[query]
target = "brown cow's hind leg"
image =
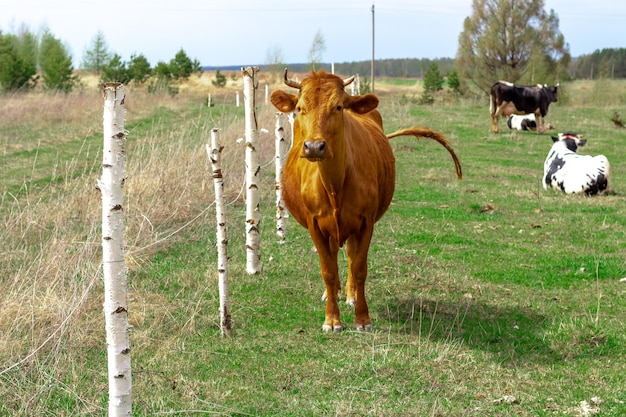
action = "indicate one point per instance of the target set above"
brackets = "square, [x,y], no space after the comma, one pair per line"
[350,289]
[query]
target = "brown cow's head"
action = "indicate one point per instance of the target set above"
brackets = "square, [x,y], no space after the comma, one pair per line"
[320,105]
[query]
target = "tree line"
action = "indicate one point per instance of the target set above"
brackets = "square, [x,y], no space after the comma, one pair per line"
[501,40]
[396,67]
[604,63]
[28,60]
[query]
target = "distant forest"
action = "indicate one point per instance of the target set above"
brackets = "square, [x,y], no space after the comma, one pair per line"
[605,63]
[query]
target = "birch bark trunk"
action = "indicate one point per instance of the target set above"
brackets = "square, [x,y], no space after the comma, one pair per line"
[253,169]
[281,151]
[214,152]
[111,186]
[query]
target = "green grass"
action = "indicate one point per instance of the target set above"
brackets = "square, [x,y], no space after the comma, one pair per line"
[478,289]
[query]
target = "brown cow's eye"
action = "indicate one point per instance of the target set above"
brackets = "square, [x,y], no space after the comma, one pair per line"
[298,109]
[339,108]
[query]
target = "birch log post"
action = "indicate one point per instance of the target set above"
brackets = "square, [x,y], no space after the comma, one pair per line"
[214,152]
[253,169]
[114,268]
[281,151]
[291,117]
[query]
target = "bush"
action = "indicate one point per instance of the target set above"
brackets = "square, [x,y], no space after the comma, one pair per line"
[433,80]
[139,68]
[454,82]
[220,79]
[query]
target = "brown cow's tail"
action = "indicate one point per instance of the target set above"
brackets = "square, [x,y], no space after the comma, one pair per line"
[422,132]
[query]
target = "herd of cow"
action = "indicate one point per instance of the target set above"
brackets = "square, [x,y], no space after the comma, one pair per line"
[564,169]
[339,177]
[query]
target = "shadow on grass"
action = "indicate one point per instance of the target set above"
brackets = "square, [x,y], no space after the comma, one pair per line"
[511,334]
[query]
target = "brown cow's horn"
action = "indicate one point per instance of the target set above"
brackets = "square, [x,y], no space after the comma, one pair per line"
[291,83]
[348,81]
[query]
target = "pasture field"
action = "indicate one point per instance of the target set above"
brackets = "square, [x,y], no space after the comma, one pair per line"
[489,296]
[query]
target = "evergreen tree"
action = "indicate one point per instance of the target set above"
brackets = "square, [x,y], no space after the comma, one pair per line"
[115,71]
[139,68]
[97,55]
[163,71]
[433,80]
[181,66]
[220,79]
[454,82]
[17,62]
[163,80]
[28,47]
[56,64]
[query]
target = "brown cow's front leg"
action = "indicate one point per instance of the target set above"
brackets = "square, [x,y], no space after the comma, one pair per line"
[357,249]
[332,322]
[327,251]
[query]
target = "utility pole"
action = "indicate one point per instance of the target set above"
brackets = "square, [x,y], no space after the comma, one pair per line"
[372,71]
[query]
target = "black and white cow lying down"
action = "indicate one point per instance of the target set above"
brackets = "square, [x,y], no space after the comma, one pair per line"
[569,172]
[522,122]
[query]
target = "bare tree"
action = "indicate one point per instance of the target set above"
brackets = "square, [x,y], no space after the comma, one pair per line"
[275,60]
[317,49]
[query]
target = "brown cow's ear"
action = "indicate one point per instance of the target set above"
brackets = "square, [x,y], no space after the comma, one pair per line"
[283,101]
[363,104]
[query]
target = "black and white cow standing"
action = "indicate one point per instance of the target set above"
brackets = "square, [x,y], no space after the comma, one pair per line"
[522,122]
[525,99]
[569,172]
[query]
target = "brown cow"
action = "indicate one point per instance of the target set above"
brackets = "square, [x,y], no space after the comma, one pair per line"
[339,179]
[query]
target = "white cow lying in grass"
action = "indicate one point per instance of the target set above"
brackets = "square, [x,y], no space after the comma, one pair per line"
[571,173]
[522,122]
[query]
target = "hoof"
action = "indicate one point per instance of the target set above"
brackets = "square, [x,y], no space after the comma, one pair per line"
[327,328]
[363,328]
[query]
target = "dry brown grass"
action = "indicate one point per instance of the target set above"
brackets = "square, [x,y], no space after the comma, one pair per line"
[50,239]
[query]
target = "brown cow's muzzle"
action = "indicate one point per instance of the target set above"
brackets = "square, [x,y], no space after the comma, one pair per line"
[314,149]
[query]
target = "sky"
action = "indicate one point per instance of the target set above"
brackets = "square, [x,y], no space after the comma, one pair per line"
[230,32]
